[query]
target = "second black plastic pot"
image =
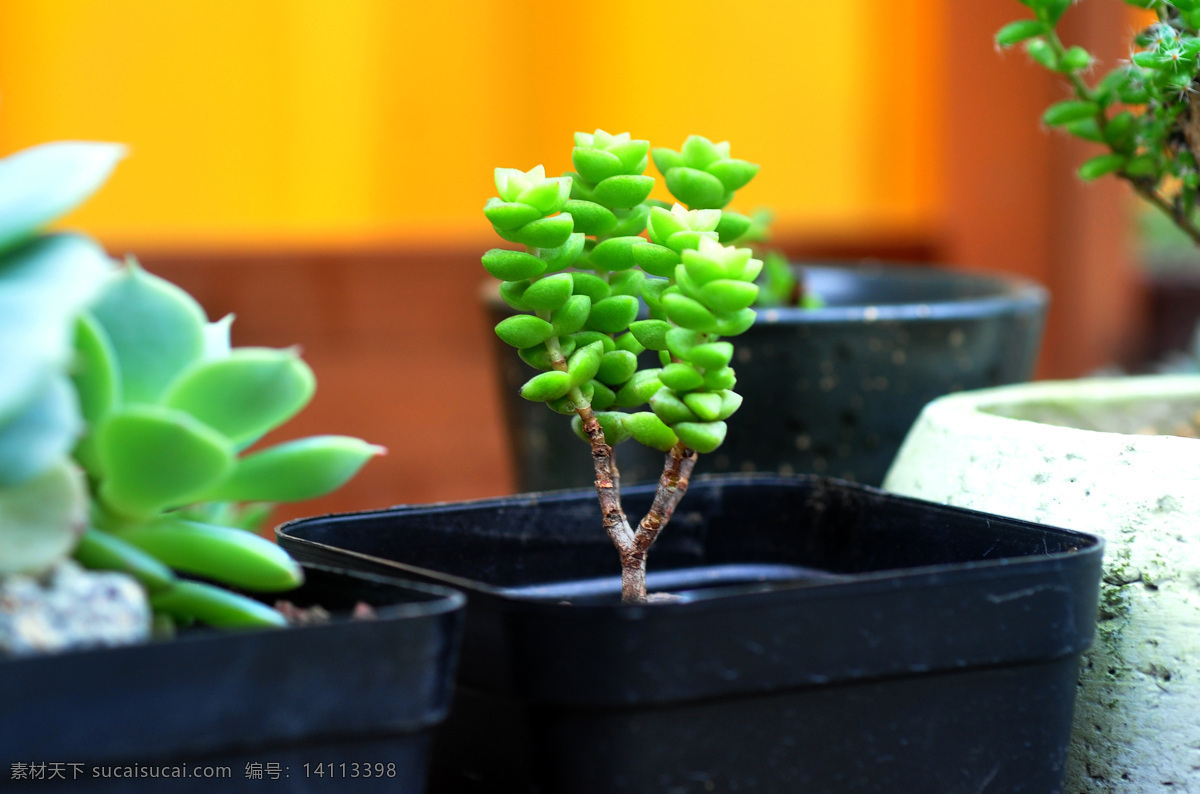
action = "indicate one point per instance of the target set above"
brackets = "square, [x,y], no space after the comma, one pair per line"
[829,391]
[350,703]
[827,637]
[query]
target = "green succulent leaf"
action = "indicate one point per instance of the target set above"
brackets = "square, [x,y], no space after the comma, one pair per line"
[591,218]
[44,182]
[214,606]
[223,554]
[44,285]
[681,377]
[614,314]
[547,197]
[507,215]
[592,286]
[696,189]
[712,355]
[628,342]
[623,192]
[657,260]
[584,338]
[103,551]
[512,293]
[1022,29]
[615,253]
[596,165]
[1069,110]
[543,233]
[720,379]
[156,330]
[1101,165]
[547,386]
[154,458]
[639,388]
[40,434]
[704,437]
[688,313]
[730,402]
[616,367]
[549,293]
[732,227]
[737,323]
[525,330]
[734,174]
[585,363]
[571,317]
[648,430]
[728,295]
[509,265]
[41,519]
[245,395]
[652,334]
[705,404]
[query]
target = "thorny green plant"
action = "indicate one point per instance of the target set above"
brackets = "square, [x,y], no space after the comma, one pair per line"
[1145,112]
[125,415]
[580,282]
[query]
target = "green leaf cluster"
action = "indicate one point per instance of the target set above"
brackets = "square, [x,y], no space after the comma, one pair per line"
[171,408]
[628,256]
[125,416]
[1140,111]
[46,280]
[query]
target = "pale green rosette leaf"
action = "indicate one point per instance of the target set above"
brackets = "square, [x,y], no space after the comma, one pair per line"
[244,395]
[44,285]
[154,458]
[41,183]
[295,470]
[41,519]
[156,330]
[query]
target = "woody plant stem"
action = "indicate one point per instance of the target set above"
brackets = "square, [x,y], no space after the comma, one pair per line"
[632,545]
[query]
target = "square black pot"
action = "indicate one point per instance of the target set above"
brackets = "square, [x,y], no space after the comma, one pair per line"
[299,709]
[828,637]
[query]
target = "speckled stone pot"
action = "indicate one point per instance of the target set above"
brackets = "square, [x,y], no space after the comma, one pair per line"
[828,391]
[1070,454]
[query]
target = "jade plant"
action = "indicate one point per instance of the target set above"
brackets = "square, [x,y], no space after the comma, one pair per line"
[597,249]
[1144,112]
[127,418]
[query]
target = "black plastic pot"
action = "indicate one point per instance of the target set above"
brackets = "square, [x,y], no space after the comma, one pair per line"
[298,709]
[830,391]
[828,637]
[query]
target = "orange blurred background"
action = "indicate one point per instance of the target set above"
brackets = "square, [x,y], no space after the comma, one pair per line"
[319,168]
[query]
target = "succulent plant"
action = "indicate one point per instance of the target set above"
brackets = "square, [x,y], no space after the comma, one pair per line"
[1144,112]
[45,282]
[171,409]
[581,284]
[127,418]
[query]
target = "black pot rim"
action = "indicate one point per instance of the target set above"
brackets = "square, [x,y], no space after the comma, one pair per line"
[718,598]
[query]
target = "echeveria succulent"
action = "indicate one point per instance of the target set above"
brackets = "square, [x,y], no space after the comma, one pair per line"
[126,417]
[580,303]
[172,408]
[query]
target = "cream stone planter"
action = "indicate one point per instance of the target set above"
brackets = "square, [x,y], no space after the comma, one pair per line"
[1074,454]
